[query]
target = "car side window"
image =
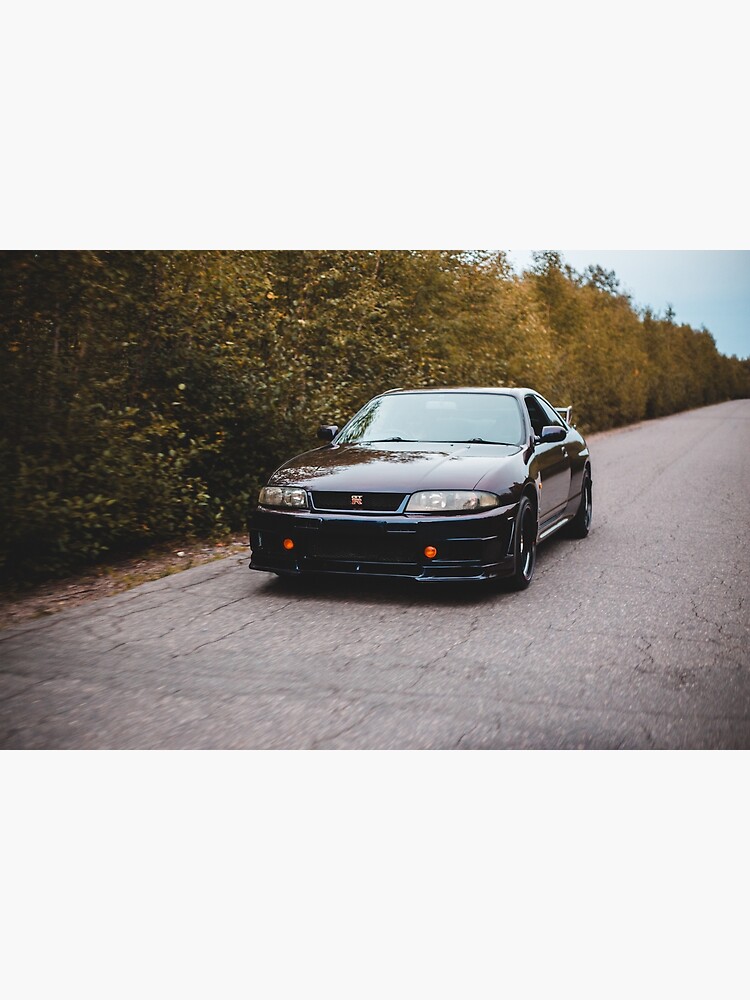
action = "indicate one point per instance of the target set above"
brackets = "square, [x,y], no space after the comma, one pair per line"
[536,414]
[551,415]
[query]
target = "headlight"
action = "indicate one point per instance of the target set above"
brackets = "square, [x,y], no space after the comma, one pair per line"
[283,496]
[450,501]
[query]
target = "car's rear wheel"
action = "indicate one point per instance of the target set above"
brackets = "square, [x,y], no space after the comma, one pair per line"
[581,523]
[524,545]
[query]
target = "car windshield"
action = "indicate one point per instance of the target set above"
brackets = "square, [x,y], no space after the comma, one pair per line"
[458,417]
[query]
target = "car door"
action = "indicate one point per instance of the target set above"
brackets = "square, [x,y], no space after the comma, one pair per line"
[552,460]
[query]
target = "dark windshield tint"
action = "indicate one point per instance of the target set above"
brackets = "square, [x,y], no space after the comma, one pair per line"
[437,416]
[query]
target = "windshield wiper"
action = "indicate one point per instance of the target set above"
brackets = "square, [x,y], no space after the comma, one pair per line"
[477,440]
[381,440]
[484,441]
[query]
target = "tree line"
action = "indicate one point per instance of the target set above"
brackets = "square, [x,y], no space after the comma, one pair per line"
[146,396]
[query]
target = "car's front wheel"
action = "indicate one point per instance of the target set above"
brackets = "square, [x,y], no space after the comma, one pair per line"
[581,523]
[524,545]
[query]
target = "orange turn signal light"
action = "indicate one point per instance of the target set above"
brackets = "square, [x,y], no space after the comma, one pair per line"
[430,551]
[288,543]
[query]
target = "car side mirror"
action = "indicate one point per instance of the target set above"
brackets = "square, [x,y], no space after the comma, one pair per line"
[552,433]
[327,432]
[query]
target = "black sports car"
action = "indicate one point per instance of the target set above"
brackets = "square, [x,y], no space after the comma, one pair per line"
[429,484]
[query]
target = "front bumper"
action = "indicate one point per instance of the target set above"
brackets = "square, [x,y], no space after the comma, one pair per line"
[469,546]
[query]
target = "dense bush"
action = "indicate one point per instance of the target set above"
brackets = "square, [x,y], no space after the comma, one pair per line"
[146,395]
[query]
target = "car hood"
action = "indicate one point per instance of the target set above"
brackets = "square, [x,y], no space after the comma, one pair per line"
[394,467]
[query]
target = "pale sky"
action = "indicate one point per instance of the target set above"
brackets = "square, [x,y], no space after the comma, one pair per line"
[708,288]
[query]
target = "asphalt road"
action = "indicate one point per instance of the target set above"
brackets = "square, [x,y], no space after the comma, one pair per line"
[636,637]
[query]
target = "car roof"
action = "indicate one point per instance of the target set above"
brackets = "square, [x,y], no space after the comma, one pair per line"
[499,389]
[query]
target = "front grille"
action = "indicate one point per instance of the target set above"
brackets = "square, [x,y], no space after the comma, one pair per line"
[381,503]
[378,550]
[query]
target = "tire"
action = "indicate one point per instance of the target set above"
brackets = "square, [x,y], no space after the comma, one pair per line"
[524,545]
[581,523]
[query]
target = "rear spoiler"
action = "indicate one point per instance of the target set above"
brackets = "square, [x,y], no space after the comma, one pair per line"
[566,412]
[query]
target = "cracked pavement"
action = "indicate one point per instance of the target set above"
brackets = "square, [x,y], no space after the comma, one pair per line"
[637,637]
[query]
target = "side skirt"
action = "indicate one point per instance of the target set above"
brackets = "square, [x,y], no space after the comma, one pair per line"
[553,528]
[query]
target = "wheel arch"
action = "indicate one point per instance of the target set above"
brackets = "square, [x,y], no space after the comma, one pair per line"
[525,558]
[530,491]
[587,472]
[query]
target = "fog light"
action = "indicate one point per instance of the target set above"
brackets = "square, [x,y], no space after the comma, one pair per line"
[430,551]
[288,543]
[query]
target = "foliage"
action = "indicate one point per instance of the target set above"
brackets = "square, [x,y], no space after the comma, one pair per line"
[147,395]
